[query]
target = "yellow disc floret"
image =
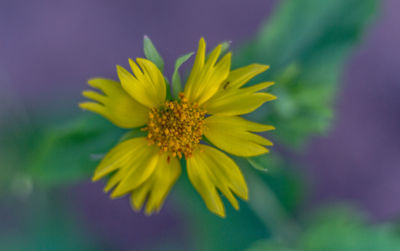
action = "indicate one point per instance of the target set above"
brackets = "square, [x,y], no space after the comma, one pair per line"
[176,126]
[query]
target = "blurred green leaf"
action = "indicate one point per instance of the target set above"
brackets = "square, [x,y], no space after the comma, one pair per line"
[70,152]
[176,78]
[48,224]
[344,229]
[270,245]
[152,54]
[263,162]
[306,42]
[338,229]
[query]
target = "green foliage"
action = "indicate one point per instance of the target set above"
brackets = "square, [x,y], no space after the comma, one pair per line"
[264,162]
[350,232]
[152,54]
[306,44]
[176,78]
[270,245]
[70,152]
[338,229]
[53,226]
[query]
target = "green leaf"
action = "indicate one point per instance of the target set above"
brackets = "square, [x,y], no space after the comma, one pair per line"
[306,43]
[346,229]
[176,78]
[152,54]
[259,162]
[337,228]
[269,245]
[71,152]
[50,225]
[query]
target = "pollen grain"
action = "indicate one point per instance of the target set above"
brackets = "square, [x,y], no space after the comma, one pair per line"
[176,127]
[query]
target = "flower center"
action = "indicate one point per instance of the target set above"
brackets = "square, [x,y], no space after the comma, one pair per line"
[176,127]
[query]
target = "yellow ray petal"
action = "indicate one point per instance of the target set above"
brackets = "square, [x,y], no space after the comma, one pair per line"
[210,170]
[257,87]
[157,186]
[233,135]
[116,178]
[212,84]
[206,77]
[197,66]
[237,103]
[231,99]
[238,77]
[204,186]
[147,86]
[120,156]
[139,171]
[115,104]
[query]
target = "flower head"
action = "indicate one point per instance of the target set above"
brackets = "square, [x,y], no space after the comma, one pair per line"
[209,107]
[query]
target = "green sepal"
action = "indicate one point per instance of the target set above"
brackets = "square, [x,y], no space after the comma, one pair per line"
[152,54]
[134,133]
[224,48]
[176,78]
[259,162]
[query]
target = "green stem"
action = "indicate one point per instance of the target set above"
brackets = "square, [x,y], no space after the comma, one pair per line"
[268,208]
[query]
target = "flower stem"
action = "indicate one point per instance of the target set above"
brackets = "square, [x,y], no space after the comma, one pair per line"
[269,210]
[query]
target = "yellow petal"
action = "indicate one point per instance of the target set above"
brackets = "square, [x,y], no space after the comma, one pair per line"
[238,77]
[147,85]
[197,66]
[231,99]
[140,169]
[233,135]
[157,187]
[257,87]
[206,77]
[237,103]
[121,156]
[115,104]
[210,171]
[213,83]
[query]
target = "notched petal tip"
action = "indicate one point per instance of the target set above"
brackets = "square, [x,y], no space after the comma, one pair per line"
[116,193]
[220,213]
[202,41]
[136,208]
[96,178]
[123,73]
[120,69]
[132,62]
[261,67]
[272,97]
[94,82]
[91,106]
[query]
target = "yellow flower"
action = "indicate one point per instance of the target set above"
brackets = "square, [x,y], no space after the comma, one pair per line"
[213,98]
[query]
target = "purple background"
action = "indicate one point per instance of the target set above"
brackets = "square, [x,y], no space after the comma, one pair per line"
[360,158]
[50,48]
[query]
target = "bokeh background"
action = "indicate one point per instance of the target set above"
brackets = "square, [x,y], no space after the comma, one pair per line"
[50,48]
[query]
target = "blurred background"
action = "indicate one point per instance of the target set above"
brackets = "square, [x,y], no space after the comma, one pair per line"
[331,180]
